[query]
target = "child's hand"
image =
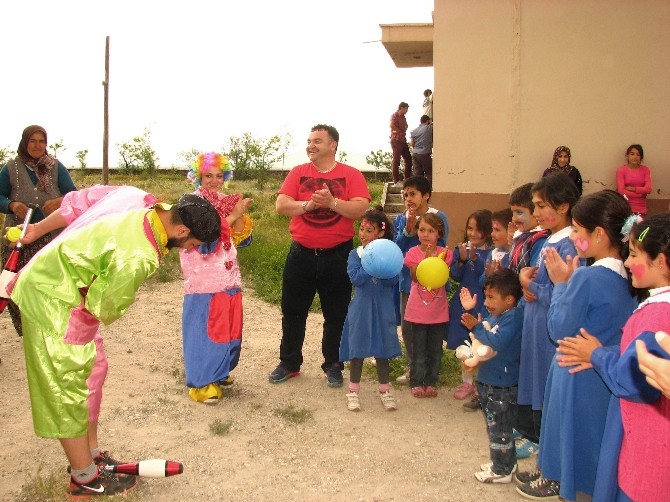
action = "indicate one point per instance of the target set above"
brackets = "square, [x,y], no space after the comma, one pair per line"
[526,275]
[576,351]
[470,321]
[559,270]
[410,222]
[655,368]
[492,266]
[467,300]
[473,253]
[462,253]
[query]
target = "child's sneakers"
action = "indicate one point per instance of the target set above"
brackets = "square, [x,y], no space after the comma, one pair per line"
[525,448]
[353,402]
[523,478]
[429,391]
[486,475]
[418,392]
[464,390]
[540,489]
[388,401]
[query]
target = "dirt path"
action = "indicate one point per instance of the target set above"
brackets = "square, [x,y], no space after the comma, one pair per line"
[427,450]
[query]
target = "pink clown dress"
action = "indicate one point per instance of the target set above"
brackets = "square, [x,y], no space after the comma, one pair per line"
[212,309]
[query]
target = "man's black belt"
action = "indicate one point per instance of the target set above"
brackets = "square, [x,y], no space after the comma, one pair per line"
[322,251]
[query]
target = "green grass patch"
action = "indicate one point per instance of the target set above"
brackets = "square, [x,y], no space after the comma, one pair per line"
[293,415]
[220,427]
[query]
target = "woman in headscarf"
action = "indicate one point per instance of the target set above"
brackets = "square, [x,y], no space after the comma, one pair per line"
[560,163]
[34,178]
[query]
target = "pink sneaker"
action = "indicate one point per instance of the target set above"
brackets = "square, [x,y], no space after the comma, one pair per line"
[464,390]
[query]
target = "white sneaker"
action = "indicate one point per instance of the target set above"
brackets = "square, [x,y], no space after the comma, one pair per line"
[388,401]
[353,403]
[487,467]
[404,378]
[491,477]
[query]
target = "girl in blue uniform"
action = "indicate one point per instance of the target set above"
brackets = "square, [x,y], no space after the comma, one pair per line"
[467,266]
[370,327]
[553,199]
[597,299]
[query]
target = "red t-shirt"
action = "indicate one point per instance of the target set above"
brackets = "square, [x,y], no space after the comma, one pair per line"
[323,228]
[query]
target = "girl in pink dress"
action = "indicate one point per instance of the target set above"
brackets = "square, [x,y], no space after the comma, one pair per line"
[427,310]
[635,453]
[633,180]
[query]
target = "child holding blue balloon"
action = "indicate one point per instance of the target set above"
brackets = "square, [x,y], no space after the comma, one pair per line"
[370,327]
[427,308]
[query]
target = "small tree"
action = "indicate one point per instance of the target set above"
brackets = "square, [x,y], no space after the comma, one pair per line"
[81,157]
[6,155]
[379,159]
[255,156]
[137,155]
[55,147]
[187,157]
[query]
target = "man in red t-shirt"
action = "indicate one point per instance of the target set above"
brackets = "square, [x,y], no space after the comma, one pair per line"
[399,143]
[323,198]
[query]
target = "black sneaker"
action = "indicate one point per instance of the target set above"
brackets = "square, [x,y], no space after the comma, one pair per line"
[540,489]
[334,375]
[105,483]
[526,477]
[281,374]
[102,459]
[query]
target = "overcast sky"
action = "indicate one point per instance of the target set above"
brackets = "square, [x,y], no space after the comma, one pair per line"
[196,73]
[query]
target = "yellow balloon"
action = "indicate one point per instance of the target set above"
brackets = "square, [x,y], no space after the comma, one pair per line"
[432,273]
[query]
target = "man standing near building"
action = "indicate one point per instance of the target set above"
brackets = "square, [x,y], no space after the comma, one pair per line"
[421,141]
[428,103]
[323,198]
[399,143]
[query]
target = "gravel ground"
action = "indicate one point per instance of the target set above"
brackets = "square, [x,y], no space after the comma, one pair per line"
[426,450]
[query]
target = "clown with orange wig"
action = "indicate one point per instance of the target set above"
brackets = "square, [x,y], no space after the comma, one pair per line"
[212,311]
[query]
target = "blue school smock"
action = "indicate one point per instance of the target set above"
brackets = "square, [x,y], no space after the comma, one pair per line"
[598,299]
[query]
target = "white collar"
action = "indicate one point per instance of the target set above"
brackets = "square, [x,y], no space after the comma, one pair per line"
[359,251]
[657,295]
[614,264]
[560,235]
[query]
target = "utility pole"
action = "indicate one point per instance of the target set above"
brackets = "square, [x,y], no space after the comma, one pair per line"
[105,127]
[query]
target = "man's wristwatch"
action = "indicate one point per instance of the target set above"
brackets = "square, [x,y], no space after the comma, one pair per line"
[304,206]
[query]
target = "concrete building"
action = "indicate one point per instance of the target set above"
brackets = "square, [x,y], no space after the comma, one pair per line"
[514,79]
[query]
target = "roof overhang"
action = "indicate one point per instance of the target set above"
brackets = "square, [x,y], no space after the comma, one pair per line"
[410,45]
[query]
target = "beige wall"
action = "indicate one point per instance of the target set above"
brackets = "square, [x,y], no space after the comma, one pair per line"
[516,78]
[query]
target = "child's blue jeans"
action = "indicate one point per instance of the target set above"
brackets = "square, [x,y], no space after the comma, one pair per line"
[499,407]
